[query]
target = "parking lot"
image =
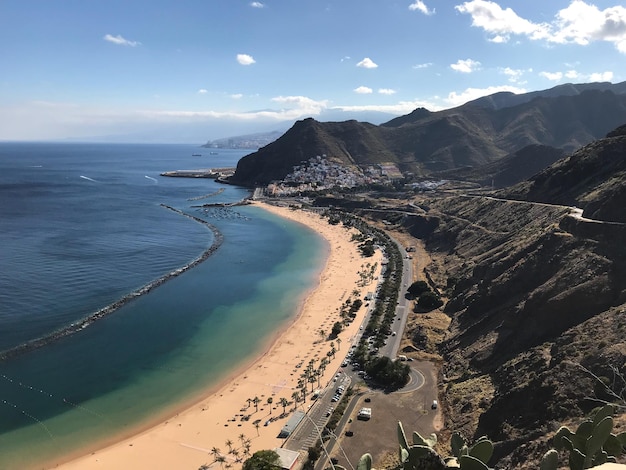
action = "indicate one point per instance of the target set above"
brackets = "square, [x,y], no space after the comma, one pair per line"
[377,435]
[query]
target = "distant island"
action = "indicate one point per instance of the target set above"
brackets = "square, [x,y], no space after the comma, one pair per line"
[249,141]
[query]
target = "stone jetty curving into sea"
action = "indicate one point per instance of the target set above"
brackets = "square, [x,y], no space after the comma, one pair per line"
[103,312]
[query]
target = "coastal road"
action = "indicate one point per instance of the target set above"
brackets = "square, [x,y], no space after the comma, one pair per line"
[318,412]
[402,308]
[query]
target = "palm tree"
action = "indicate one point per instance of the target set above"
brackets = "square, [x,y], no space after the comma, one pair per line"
[257,425]
[229,443]
[323,364]
[249,400]
[338,344]
[296,397]
[284,402]
[322,334]
[221,460]
[270,400]
[256,401]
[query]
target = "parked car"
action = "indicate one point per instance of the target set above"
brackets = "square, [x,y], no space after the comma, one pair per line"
[434,405]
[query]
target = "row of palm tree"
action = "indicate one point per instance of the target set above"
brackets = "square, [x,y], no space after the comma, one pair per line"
[236,453]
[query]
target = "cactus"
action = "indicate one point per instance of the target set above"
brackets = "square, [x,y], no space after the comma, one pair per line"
[469,458]
[420,455]
[365,462]
[592,444]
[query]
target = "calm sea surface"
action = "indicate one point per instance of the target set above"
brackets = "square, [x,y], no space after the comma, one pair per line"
[81,226]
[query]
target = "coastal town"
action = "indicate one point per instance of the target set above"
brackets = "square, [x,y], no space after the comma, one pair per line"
[321,173]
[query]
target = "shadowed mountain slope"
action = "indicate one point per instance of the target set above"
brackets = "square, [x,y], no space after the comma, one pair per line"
[593,178]
[509,170]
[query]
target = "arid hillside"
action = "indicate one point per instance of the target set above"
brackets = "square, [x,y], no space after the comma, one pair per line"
[536,295]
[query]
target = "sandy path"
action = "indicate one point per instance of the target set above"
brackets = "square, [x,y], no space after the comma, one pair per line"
[186,440]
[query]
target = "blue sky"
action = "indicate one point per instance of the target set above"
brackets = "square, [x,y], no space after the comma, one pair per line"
[193,70]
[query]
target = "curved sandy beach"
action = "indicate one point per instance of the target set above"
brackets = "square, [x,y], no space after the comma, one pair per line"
[224,419]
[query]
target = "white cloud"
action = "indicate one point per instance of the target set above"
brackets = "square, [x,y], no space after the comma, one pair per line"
[579,23]
[423,66]
[420,6]
[120,41]
[501,23]
[257,5]
[601,77]
[400,108]
[236,96]
[575,75]
[465,66]
[582,23]
[301,105]
[367,63]
[515,75]
[386,91]
[245,59]
[202,91]
[457,99]
[363,90]
[552,76]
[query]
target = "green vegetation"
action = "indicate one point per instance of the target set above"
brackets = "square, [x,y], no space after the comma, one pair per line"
[263,460]
[337,327]
[591,445]
[427,298]
[429,301]
[418,288]
[388,373]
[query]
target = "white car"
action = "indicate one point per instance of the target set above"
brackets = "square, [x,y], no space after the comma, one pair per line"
[434,405]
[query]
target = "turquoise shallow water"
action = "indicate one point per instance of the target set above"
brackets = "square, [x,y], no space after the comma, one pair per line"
[160,349]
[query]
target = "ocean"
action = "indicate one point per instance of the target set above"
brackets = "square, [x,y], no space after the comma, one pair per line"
[83,226]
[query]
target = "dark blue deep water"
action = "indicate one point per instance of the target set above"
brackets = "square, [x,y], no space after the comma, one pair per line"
[81,226]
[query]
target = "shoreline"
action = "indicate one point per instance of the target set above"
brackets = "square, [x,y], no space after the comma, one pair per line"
[188,434]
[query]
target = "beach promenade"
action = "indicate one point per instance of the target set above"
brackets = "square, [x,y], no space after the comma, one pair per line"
[247,411]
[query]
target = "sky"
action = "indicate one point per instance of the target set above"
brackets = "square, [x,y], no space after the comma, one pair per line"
[196,70]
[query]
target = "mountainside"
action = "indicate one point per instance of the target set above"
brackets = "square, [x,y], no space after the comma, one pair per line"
[509,170]
[424,142]
[537,298]
[594,179]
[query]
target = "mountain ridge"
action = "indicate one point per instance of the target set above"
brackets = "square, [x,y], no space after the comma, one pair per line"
[423,142]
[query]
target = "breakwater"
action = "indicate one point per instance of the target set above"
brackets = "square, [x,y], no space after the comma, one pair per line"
[103,312]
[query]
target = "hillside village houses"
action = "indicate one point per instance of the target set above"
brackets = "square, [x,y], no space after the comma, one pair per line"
[319,173]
